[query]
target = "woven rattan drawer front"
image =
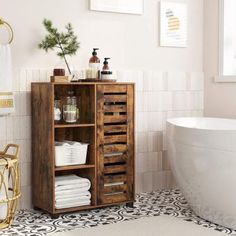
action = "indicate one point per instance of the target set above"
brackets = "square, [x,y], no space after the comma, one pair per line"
[115,145]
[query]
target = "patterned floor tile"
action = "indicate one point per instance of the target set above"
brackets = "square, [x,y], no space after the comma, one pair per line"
[165,202]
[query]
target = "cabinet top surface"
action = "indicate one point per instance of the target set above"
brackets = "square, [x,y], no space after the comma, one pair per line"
[82,83]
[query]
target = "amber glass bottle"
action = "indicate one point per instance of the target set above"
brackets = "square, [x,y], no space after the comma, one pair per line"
[106,73]
[94,63]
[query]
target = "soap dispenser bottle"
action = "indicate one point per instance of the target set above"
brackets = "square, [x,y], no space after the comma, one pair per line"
[94,64]
[106,72]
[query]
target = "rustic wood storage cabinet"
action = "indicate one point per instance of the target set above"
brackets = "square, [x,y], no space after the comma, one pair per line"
[106,122]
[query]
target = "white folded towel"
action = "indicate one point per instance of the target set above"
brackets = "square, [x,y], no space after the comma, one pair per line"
[71,180]
[62,144]
[73,143]
[3,192]
[71,193]
[74,204]
[72,199]
[7,104]
[82,187]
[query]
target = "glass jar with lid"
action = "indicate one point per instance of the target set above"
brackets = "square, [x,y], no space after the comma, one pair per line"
[57,110]
[70,108]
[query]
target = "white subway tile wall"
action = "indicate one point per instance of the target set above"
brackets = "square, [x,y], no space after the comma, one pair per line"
[159,95]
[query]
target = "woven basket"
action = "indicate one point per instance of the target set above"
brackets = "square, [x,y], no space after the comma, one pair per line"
[9,184]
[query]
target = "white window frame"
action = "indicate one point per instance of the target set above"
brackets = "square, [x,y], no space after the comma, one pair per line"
[221,77]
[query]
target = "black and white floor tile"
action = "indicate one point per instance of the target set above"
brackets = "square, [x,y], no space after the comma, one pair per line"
[165,202]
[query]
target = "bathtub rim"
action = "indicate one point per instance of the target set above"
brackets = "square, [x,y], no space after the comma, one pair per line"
[173,121]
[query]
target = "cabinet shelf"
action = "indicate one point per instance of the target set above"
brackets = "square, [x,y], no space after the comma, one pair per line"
[72,209]
[74,167]
[64,125]
[88,207]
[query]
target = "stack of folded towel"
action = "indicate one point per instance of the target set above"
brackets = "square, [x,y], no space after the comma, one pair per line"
[72,191]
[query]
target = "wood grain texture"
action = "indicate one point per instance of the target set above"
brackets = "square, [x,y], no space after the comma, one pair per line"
[42,146]
[84,208]
[116,143]
[115,118]
[86,135]
[106,123]
[115,159]
[130,143]
[115,189]
[115,98]
[95,145]
[119,88]
[115,178]
[115,129]
[115,108]
[115,198]
[86,96]
[115,139]
[64,125]
[115,148]
[74,167]
[85,99]
[115,169]
[100,143]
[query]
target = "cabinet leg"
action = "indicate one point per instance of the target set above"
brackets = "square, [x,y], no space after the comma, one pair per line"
[130,204]
[36,208]
[54,216]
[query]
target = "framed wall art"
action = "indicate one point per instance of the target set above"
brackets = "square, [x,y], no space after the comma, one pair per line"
[173,24]
[120,6]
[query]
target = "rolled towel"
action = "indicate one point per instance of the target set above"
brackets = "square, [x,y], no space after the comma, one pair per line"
[72,193]
[74,204]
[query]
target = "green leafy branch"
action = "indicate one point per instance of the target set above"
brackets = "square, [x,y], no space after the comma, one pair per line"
[66,43]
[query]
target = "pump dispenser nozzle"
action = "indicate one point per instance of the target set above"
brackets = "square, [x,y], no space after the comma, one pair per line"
[105,60]
[94,51]
[106,72]
[105,63]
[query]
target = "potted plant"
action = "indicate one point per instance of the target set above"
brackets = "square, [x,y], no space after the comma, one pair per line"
[65,43]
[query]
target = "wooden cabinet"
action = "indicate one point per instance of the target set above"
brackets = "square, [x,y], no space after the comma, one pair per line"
[106,122]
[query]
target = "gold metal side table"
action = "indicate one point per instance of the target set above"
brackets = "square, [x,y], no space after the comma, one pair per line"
[9,184]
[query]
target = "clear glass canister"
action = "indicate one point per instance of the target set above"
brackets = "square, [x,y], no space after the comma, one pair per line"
[70,108]
[57,110]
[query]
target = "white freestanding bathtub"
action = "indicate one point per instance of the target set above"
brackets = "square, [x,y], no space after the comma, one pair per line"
[202,155]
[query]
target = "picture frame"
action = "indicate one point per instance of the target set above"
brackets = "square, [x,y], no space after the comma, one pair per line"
[118,6]
[173,24]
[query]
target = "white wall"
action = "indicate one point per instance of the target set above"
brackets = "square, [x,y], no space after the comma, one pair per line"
[170,76]
[130,40]
[220,98]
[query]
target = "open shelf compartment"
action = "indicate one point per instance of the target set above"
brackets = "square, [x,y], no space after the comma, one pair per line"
[79,134]
[85,95]
[84,173]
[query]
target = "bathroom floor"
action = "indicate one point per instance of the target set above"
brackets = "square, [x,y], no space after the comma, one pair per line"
[165,202]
